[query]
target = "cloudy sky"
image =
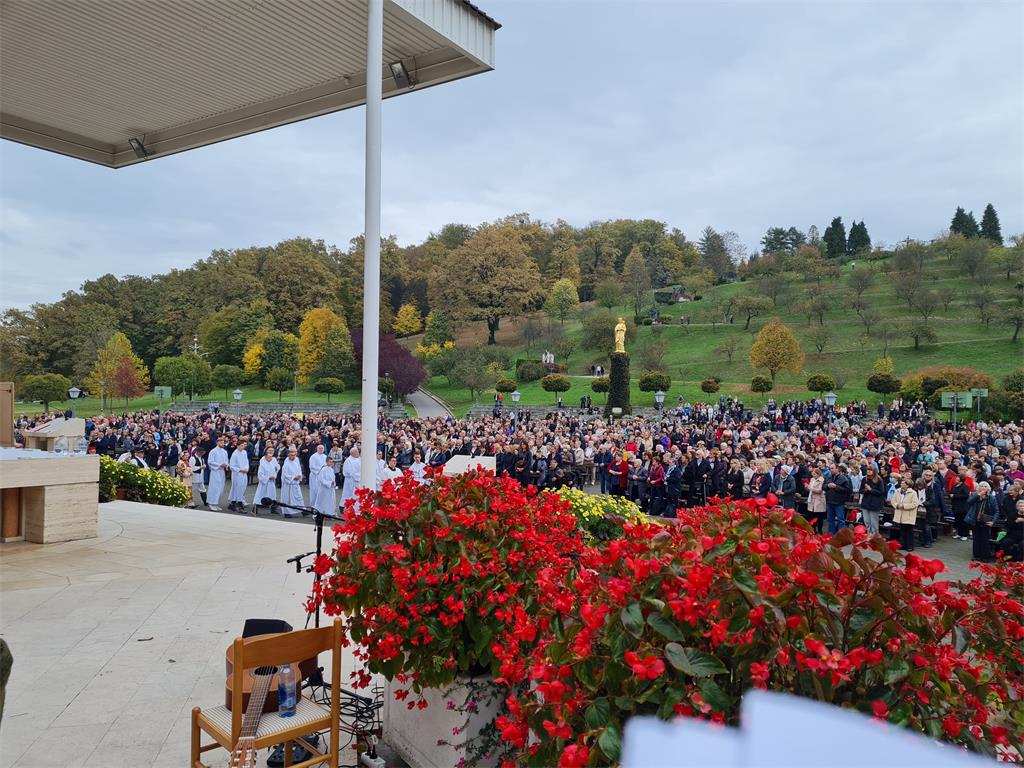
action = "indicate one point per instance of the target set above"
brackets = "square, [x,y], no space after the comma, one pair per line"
[737,115]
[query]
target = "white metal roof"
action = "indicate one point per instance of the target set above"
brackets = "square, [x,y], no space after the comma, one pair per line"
[82,77]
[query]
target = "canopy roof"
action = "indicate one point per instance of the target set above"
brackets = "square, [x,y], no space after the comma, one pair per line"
[82,78]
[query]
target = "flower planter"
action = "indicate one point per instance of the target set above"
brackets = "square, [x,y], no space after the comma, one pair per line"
[414,733]
[120,494]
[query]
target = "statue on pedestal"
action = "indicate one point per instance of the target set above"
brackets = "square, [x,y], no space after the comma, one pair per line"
[620,336]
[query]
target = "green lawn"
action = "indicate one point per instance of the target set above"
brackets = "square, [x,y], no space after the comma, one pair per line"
[90,406]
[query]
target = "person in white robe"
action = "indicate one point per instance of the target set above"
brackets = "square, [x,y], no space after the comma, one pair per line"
[218,463]
[291,483]
[391,471]
[239,464]
[326,498]
[197,465]
[381,466]
[418,469]
[350,470]
[316,463]
[267,475]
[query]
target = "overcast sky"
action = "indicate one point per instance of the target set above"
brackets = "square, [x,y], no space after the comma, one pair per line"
[737,115]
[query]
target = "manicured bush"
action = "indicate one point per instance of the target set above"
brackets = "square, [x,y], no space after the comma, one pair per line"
[761,384]
[821,382]
[652,381]
[330,385]
[709,386]
[618,383]
[530,370]
[600,384]
[883,383]
[555,382]
[505,384]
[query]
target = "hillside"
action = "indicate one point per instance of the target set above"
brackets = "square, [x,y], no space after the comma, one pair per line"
[847,354]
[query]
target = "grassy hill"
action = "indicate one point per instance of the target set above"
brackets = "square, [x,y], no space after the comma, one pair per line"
[962,340]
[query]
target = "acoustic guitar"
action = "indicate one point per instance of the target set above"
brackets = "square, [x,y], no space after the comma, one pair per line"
[251,679]
[244,753]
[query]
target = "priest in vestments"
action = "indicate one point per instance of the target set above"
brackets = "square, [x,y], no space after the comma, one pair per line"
[350,470]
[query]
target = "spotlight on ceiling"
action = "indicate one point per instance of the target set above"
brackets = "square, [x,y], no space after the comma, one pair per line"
[401,75]
[138,148]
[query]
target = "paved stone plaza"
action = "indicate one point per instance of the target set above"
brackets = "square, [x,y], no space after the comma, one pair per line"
[116,638]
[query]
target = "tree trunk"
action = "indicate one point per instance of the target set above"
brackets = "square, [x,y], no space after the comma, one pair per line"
[492,326]
[1016,332]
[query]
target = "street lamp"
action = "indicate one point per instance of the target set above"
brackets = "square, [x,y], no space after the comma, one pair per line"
[659,399]
[74,392]
[516,394]
[238,399]
[830,399]
[103,394]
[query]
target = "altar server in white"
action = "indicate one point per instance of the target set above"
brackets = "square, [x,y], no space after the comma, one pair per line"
[218,463]
[266,474]
[239,464]
[326,498]
[350,470]
[291,483]
[316,463]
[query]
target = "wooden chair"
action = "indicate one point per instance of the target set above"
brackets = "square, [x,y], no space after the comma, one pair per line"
[225,725]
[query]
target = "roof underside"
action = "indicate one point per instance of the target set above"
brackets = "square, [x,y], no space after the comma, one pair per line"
[82,78]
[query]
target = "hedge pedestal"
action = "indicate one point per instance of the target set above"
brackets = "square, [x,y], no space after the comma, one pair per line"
[618,383]
[414,733]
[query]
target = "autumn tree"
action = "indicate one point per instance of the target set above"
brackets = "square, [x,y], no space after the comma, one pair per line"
[438,329]
[608,294]
[751,307]
[312,335]
[408,320]
[338,361]
[45,387]
[489,277]
[860,280]
[820,338]
[729,346]
[637,280]
[108,366]
[270,349]
[226,332]
[777,349]
[129,380]
[563,263]
[563,301]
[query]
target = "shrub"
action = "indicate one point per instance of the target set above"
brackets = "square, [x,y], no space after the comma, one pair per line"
[145,485]
[601,518]
[761,384]
[682,621]
[652,381]
[1014,381]
[820,382]
[531,370]
[884,365]
[565,346]
[600,384]
[330,385]
[709,386]
[555,382]
[883,383]
[505,384]
[959,378]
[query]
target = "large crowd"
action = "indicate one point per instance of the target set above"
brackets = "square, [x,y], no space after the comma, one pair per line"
[896,469]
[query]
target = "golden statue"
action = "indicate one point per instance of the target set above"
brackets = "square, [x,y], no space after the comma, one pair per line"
[620,336]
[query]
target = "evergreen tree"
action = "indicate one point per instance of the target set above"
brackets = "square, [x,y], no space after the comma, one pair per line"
[990,225]
[859,240]
[714,254]
[438,329]
[835,239]
[964,223]
[972,225]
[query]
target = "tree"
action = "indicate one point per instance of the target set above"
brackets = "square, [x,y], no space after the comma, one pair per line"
[329,385]
[773,285]
[964,224]
[860,280]
[927,303]
[884,364]
[820,338]
[394,361]
[608,293]
[920,331]
[835,239]
[183,374]
[555,382]
[563,300]
[46,387]
[129,383]
[270,349]
[990,225]
[563,263]
[709,386]
[108,365]
[601,384]
[637,280]
[489,277]
[505,385]
[887,330]
[312,336]
[983,299]
[946,294]
[820,382]
[652,381]
[777,349]
[229,377]
[761,385]
[278,380]
[1014,317]
[437,330]
[782,240]
[652,355]
[751,307]
[973,257]
[859,241]
[714,253]
[868,316]
[729,346]
[599,330]
[907,285]
[408,320]
[816,302]
[338,360]
[883,383]
[226,332]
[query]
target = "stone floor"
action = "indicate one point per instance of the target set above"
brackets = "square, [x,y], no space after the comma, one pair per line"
[115,639]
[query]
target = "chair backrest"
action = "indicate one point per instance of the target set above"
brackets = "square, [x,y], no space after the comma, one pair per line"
[279,649]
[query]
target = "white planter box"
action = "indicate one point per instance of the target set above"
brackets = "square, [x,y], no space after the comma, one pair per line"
[414,733]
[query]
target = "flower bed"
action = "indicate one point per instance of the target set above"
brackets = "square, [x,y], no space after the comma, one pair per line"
[601,518]
[477,574]
[145,485]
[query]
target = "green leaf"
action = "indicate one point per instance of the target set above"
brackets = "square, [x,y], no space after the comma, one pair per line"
[672,697]
[664,627]
[897,671]
[724,548]
[633,619]
[693,662]
[610,742]
[598,714]
[714,696]
[745,581]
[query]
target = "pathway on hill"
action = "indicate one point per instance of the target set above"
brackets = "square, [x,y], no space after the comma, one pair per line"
[427,406]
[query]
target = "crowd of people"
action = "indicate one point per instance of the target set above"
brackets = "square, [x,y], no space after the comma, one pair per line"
[894,469]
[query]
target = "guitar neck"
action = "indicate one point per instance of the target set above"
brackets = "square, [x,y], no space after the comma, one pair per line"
[244,754]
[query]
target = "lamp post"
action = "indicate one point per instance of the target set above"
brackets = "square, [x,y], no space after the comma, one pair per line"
[74,392]
[659,399]
[103,394]
[830,401]
[238,400]
[516,394]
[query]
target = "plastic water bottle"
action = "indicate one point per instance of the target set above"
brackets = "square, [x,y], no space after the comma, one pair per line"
[286,697]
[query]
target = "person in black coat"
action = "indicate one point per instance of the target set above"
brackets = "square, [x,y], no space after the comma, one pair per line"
[673,486]
[958,500]
[734,480]
[982,509]
[872,492]
[838,490]
[787,489]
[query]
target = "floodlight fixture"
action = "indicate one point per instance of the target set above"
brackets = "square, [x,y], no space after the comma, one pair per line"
[138,148]
[401,75]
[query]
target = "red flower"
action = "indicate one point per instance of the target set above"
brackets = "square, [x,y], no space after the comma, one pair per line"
[759,674]
[951,726]
[559,730]
[647,668]
[574,756]
[880,709]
